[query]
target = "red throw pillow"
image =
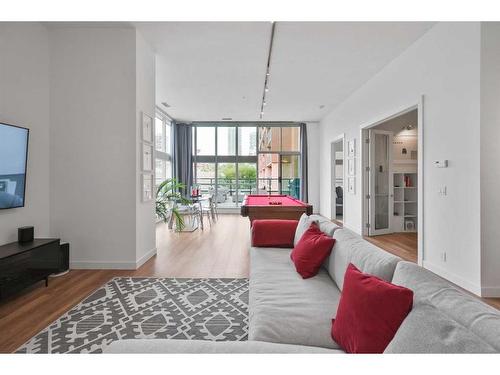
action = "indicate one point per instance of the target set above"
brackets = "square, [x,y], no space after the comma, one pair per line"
[369,313]
[311,250]
[273,233]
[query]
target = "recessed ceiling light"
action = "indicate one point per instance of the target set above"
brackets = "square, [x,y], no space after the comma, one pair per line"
[266,89]
[264,103]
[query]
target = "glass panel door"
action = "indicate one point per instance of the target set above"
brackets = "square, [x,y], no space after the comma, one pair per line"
[380,182]
[269,174]
[247,180]
[226,185]
[290,175]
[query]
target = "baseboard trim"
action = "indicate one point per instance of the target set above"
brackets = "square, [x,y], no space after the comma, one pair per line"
[467,285]
[151,253]
[85,265]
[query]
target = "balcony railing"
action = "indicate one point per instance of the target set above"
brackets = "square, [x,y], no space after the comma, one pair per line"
[228,188]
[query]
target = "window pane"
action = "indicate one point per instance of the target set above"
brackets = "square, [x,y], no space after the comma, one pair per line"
[247,180]
[290,139]
[159,135]
[226,140]
[168,129]
[205,140]
[160,171]
[226,184]
[290,169]
[168,169]
[268,165]
[269,139]
[205,177]
[247,141]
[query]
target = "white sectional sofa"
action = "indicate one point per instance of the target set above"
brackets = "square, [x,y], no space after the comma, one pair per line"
[288,314]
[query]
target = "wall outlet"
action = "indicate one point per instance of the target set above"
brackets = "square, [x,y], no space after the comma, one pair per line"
[443,256]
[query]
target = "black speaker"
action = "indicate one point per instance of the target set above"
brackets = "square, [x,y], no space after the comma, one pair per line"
[25,234]
[64,263]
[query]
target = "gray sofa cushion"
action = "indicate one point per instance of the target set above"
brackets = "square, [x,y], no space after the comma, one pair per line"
[285,308]
[325,225]
[351,248]
[427,330]
[200,346]
[471,313]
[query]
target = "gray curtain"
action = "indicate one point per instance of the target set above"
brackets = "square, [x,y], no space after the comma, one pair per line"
[183,155]
[304,175]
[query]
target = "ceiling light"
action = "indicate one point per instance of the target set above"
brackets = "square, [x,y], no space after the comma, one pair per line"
[266,79]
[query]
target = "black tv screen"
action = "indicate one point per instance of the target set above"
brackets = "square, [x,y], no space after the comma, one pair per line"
[13,159]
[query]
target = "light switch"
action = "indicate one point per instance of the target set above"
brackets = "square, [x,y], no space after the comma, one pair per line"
[441,163]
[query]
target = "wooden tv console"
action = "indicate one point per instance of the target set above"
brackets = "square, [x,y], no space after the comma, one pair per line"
[23,264]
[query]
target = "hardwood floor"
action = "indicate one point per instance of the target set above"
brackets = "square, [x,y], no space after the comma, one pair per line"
[218,251]
[403,245]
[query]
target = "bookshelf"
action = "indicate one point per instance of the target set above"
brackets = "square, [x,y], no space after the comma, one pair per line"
[405,206]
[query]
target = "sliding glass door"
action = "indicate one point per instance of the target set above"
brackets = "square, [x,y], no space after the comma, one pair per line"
[279,160]
[225,161]
[232,160]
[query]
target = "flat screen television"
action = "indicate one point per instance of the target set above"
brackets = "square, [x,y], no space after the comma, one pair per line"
[13,160]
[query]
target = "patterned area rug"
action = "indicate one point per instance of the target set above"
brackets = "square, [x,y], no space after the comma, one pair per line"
[149,308]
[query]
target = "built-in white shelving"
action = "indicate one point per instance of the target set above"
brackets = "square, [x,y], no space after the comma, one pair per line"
[405,206]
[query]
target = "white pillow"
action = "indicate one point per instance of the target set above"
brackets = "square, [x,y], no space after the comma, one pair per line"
[325,225]
[301,228]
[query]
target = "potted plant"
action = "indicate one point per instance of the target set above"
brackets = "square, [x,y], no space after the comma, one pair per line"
[167,198]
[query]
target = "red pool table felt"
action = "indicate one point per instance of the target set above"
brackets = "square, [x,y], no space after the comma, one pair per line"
[266,200]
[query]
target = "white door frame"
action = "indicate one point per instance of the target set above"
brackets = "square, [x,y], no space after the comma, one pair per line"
[338,138]
[418,104]
[371,185]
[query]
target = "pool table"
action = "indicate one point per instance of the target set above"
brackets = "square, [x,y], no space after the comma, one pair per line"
[274,207]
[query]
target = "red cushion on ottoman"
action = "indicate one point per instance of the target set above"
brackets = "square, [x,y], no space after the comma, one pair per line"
[311,251]
[273,233]
[369,313]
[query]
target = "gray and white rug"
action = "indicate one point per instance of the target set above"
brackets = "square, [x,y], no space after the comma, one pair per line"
[149,308]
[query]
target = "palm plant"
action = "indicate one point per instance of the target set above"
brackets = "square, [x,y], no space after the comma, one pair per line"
[167,198]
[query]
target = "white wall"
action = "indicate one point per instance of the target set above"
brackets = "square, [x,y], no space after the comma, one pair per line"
[490,157]
[444,66]
[93,144]
[313,164]
[145,101]
[24,101]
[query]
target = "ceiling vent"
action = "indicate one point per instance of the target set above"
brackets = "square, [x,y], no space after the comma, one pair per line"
[165,104]
[227,118]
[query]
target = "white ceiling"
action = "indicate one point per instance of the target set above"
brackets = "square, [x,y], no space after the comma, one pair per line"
[210,70]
